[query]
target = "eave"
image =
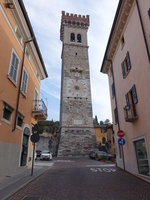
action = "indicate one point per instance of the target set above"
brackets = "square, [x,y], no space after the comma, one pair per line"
[121,16]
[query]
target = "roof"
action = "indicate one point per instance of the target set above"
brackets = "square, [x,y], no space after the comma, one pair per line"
[32,35]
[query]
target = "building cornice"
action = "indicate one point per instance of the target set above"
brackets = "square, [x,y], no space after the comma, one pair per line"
[122,13]
[21,17]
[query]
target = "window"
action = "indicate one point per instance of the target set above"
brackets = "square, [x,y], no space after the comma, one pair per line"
[24,82]
[116,115]
[72,37]
[130,108]
[7,112]
[19,120]
[141,156]
[149,13]
[113,89]
[79,38]
[35,100]
[126,65]
[14,66]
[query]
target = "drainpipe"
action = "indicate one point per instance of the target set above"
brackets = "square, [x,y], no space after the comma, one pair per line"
[19,89]
[111,63]
[144,35]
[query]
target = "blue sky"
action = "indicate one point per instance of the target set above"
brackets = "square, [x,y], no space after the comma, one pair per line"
[45,17]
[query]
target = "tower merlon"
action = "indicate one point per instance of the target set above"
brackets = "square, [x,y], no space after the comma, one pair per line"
[73,20]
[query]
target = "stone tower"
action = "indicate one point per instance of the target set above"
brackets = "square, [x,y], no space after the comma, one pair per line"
[77,133]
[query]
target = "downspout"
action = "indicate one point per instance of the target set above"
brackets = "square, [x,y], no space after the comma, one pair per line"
[144,35]
[111,63]
[19,89]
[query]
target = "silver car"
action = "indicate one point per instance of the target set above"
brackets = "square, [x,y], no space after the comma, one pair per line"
[46,155]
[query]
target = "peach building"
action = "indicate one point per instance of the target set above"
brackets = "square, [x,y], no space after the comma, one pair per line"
[127,64]
[21,70]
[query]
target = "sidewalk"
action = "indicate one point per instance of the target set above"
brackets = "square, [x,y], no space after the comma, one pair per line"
[11,184]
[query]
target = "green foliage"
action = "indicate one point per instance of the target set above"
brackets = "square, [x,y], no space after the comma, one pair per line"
[50,127]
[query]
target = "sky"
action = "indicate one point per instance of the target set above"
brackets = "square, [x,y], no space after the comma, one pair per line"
[45,17]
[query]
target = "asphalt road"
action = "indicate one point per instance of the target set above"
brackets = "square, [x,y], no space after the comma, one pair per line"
[84,179]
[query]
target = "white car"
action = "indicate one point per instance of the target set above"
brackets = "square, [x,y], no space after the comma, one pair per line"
[46,155]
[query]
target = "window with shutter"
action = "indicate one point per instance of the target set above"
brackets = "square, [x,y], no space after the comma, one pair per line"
[127,102]
[134,95]
[126,65]
[123,70]
[24,82]
[35,100]
[128,61]
[14,67]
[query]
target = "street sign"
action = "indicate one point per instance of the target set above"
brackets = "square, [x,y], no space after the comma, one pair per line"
[35,138]
[120,133]
[121,141]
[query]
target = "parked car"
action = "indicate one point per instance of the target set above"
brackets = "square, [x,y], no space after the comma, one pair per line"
[38,153]
[92,153]
[46,155]
[102,155]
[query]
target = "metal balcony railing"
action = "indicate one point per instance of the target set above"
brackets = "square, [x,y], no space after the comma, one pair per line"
[130,113]
[39,110]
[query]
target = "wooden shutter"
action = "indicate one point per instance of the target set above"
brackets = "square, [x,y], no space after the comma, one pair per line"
[134,95]
[123,70]
[127,102]
[128,61]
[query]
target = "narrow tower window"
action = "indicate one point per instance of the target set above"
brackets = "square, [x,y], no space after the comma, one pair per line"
[72,37]
[79,38]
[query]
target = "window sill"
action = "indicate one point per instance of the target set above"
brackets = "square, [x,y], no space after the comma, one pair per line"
[23,94]
[18,127]
[6,121]
[14,83]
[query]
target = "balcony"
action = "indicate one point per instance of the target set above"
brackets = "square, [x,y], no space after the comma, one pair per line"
[39,110]
[130,113]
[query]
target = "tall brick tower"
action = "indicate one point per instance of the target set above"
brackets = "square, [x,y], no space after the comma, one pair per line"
[76,120]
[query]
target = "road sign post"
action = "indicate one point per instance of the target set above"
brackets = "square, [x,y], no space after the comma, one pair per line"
[121,142]
[34,139]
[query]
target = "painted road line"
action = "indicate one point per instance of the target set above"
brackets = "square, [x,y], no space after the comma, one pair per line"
[106,165]
[107,170]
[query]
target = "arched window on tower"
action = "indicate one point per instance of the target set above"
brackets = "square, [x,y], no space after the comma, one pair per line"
[72,37]
[79,38]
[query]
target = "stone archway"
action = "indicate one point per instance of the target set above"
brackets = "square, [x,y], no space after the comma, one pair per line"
[24,149]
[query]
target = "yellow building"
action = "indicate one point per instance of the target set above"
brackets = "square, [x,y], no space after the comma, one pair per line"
[21,70]
[104,137]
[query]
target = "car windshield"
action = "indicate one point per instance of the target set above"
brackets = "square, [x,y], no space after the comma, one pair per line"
[45,151]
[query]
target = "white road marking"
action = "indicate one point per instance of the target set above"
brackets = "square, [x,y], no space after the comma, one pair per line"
[106,165]
[108,170]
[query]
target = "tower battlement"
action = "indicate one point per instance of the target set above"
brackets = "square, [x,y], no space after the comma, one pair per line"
[73,20]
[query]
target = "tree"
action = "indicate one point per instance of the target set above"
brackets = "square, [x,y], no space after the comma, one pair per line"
[107,121]
[95,120]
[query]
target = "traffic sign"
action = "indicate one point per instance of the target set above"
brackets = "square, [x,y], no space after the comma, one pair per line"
[35,138]
[121,141]
[120,133]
